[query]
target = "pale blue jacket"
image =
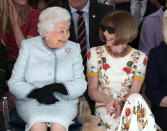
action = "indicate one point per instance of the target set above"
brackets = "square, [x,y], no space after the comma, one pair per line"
[37,65]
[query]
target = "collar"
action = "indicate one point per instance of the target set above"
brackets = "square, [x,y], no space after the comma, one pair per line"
[144,2]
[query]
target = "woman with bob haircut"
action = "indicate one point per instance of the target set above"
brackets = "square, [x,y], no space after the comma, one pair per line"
[18,22]
[115,74]
[156,80]
[48,77]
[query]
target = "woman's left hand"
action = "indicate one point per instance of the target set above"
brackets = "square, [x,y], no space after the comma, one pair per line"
[118,108]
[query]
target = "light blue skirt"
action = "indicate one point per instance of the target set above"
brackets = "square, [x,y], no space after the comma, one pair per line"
[33,112]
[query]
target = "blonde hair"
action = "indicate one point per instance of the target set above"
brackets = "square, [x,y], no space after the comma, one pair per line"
[124,25]
[5,24]
[164,27]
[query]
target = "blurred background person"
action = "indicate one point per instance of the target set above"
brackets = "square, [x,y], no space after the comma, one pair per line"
[139,9]
[48,77]
[18,22]
[150,35]
[156,78]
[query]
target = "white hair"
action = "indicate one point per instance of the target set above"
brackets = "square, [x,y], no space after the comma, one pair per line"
[50,17]
[164,27]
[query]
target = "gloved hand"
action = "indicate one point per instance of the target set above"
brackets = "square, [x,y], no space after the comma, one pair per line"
[45,94]
[43,97]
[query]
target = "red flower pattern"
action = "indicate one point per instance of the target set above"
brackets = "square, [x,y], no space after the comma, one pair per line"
[145,61]
[127,70]
[89,55]
[105,66]
[127,112]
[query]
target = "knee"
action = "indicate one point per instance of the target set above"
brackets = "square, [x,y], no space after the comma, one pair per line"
[57,127]
[39,126]
[135,96]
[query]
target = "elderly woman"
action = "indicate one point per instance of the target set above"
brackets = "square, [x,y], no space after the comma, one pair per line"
[48,78]
[116,71]
[156,79]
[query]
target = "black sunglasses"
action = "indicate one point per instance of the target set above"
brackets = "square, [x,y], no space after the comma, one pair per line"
[109,29]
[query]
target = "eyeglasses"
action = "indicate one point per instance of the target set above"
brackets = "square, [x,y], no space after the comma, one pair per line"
[109,29]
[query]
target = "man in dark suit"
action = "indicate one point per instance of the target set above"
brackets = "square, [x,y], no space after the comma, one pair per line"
[93,14]
[147,8]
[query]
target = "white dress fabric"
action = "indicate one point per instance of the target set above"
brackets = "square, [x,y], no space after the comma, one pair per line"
[36,66]
[136,115]
[115,77]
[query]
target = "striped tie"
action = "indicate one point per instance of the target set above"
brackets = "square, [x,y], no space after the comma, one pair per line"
[81,39]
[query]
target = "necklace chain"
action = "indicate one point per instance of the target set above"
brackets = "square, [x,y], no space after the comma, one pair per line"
[119,54]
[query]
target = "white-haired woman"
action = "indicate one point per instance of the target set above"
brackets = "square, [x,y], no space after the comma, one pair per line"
[48,78]
[156,79]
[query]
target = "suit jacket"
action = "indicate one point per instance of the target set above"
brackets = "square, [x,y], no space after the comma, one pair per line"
[157,74]
[37,65]
[150,8]
[150,35]
[96,12]
[156,83]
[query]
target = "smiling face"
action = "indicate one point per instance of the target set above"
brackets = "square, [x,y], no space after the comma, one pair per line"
[110,38]
[58,37]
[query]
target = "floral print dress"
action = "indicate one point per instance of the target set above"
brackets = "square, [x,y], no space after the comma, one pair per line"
[115,77]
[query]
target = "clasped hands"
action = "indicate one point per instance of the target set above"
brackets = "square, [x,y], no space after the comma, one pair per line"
[45,95]
[114,106]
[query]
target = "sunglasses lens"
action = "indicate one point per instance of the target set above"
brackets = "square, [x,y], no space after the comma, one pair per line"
[109,29]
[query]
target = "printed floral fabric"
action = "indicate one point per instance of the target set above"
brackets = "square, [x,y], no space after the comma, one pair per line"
[136,115]
[115,76]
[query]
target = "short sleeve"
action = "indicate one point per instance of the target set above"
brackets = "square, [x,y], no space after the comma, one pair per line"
[33,22]
[92,66]
[141,67]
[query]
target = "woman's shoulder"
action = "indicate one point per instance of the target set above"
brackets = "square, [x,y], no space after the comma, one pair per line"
[72,44]
[138,52]
[34,13]
[32,42]
[98,48]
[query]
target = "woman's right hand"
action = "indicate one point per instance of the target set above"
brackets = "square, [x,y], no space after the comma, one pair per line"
[114,106]
[110,106]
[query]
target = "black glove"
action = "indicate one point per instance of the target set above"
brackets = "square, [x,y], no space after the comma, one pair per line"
[45,94]
[55,87]
[43,97]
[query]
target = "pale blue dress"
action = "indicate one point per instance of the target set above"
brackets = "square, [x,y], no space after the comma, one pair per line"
[36,66]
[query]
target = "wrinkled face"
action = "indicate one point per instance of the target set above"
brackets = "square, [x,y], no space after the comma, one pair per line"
[58,37]
[110,38]
[78,4]
[20,2]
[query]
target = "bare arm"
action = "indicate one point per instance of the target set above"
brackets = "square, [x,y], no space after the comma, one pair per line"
[135,87]
[14,18]
[95,94]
